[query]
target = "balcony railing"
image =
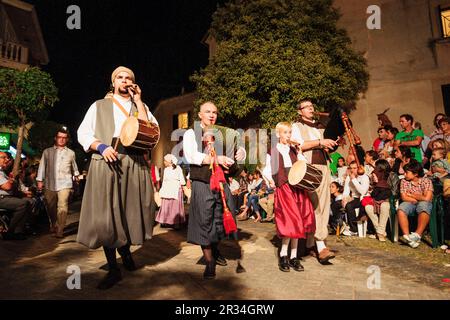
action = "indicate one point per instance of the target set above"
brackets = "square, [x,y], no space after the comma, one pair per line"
[13,52]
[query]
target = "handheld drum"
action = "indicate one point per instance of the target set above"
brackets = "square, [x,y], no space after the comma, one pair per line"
[139,134]
[304,176]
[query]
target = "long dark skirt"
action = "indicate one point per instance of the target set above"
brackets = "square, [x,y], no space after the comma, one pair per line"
[117,203]
[206,215]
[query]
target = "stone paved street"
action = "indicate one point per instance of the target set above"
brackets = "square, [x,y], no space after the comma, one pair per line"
[170,268]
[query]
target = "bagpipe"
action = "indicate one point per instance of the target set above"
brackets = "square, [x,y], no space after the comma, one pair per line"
[225,142]
[221,138]
[340,125]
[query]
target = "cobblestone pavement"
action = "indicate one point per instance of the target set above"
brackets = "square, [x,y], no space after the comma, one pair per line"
[170,268]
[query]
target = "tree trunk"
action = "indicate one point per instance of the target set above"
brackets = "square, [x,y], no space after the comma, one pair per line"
[19,150]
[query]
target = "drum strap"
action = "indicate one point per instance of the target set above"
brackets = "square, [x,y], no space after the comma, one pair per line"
[120,107]
[116,143]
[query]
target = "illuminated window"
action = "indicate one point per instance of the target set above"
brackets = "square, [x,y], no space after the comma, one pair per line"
[445,21]
[183,120]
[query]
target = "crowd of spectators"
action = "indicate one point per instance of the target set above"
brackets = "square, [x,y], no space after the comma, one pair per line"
[404,167]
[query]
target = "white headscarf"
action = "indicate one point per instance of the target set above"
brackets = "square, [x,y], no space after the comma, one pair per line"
[171,158]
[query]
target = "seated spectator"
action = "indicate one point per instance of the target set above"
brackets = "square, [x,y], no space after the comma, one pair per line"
[378,211]
[17,207]
[441,144]
[440,136]
[445,127]
[403,156]
[416,194]
[30,178]
[234,189]
[355,188]
[444,130]
[369,161]
[388,147]
[378,143]
[342,171]
[410,137]
[336,205]
[437,129]
[440,167]
[266,199]
[253,198]
[243,188]
[267,203]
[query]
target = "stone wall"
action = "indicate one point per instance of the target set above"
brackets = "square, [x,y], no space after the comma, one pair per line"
[407,60]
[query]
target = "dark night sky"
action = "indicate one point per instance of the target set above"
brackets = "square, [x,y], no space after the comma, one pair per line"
[160,40]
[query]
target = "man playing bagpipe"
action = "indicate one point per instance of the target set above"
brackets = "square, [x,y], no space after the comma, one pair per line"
[211,209]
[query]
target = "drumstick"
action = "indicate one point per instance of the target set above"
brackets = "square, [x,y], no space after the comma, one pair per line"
[116,144]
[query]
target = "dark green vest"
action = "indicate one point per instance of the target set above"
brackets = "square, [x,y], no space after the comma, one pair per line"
[104,122]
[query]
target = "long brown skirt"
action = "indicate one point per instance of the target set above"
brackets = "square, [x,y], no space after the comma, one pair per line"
[117,207]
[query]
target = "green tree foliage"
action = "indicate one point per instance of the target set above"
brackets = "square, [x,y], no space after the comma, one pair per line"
[273,53]
[42,135]
[25,96]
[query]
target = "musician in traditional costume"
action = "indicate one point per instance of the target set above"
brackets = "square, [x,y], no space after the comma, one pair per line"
[294,213]
[116,210]
[205,227]
[308,134]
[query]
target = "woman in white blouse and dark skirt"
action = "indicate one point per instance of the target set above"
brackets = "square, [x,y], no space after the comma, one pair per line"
[171,193]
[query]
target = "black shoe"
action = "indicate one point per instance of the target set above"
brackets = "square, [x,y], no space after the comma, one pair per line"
[128,263]
[295,264]
[240,268]
[112,277]
[220,260]
[210,271]
[284,264]
[325,256]
[14,236]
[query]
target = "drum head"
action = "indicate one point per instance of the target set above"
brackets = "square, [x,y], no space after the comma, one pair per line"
[297,172]
[129,132]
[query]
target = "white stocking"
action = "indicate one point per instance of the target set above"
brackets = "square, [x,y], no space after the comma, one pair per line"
[294,243]
[284,247]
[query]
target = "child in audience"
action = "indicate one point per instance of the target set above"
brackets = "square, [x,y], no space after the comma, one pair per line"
[417,193]
[336,205]
[342,170]
[378,212]
[440,167]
